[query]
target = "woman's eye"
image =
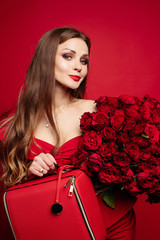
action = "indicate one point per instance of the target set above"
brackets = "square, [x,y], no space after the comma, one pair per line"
[67,56]
[84,61]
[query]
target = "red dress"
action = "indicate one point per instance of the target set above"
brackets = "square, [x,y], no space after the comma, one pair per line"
[119,221]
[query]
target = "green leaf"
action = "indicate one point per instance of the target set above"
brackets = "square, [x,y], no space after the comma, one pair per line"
[133,165]
[108,198]
[145,135]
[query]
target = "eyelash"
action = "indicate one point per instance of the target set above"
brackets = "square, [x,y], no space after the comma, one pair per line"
[69,57]
[84,61]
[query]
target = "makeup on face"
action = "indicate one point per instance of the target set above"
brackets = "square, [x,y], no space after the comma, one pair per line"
[70,54]
[75,78]
[71,63]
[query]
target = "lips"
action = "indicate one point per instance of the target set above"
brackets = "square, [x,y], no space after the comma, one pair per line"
[75,77]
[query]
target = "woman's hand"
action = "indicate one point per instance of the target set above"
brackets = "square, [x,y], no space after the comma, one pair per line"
[42,164]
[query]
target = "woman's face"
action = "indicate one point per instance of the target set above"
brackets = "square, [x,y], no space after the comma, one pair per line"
[71,63]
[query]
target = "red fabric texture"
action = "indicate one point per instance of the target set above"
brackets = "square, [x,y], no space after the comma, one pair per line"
[64,153]
[124,229]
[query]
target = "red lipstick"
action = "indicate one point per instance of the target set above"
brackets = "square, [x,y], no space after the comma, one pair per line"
[75,77]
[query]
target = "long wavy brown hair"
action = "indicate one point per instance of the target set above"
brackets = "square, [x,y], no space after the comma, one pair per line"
[36,97]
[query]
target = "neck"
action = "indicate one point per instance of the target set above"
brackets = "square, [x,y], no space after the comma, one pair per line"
[62,97]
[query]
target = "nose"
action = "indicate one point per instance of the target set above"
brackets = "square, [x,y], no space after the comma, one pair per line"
[77,66]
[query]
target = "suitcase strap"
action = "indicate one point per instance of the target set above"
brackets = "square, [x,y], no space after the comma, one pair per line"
[57,206]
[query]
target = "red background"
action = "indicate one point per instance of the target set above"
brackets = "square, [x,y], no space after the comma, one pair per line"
[125,58]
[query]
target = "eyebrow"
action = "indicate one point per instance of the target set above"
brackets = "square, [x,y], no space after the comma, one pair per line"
[74,51]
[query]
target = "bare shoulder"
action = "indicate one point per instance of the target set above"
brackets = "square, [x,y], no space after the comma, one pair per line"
[87,105]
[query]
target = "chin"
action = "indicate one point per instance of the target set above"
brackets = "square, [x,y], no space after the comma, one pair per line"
[70,85]
[74,86]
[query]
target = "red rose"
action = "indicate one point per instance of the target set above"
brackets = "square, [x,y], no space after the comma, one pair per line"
[158,190]
[83,155]
[123,138]
[107,149]
[86,121]
[102,99]
[121,144]
[92,140]
[151,190]
[158,126]
[154,160]
[108,133]
[127,99]
[127,178]
[119,112]
[152,132]
[121,161]
[152,101]
[84,168]
[155,149]
[137,129]
[109,174]
[144,166]
[139,101]
[113,101]
[129,124]
[95,162]
[145,154]
[145,180]
[105,108]
[100,120]
[133,189]
[132,150]
[154,197]
[79,157]
[156,115]
[140,141]
[156,173]
[117,122]
[145,111]
[132,112]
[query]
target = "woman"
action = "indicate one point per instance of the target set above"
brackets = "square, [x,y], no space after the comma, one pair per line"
[46,123]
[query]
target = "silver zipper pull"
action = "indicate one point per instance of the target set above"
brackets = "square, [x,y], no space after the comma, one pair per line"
[70,194]
[67,183]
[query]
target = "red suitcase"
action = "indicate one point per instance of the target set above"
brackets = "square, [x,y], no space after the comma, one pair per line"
[29,209]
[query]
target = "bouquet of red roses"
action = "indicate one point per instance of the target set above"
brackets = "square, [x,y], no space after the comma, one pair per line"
[121,144]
